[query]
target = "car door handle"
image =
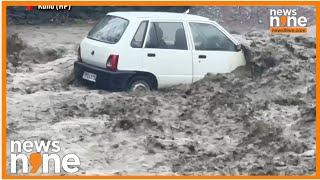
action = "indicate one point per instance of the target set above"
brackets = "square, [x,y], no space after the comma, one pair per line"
[202,56]
[151,55]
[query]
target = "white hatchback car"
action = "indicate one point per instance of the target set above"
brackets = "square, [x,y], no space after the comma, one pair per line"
[150,50]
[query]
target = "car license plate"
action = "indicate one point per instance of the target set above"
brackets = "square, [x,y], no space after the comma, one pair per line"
[89,76]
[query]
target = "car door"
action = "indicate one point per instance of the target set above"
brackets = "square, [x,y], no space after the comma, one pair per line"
[131,52]
[213,51]
[166,53]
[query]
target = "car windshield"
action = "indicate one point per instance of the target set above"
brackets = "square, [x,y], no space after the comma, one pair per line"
[109,29]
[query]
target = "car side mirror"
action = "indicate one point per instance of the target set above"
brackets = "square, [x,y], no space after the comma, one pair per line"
[238,47]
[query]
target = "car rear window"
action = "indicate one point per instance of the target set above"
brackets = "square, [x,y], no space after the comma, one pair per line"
[109,29]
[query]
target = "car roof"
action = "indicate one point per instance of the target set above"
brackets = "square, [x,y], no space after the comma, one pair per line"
[156,15]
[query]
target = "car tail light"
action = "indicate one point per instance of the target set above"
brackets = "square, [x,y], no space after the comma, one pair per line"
[79,54]
[112,62]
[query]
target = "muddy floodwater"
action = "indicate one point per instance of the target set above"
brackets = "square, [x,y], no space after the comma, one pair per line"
[257,120]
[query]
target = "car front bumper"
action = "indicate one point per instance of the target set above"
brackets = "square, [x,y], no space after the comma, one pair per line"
[105,79]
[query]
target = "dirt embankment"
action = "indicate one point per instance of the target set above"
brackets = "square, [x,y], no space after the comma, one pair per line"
[257,120]
[240,19]
[77,14]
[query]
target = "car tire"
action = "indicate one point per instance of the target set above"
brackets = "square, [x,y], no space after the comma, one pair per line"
[139,84]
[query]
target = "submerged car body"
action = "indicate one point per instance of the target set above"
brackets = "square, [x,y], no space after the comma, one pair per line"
[128,50]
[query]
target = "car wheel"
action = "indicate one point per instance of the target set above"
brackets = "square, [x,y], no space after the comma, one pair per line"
[139,84]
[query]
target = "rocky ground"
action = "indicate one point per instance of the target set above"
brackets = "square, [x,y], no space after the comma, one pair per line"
[236,19]
[257,120]
[241,19]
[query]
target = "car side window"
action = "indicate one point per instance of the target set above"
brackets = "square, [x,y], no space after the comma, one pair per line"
[208,37]
[167,35]
[138,38]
